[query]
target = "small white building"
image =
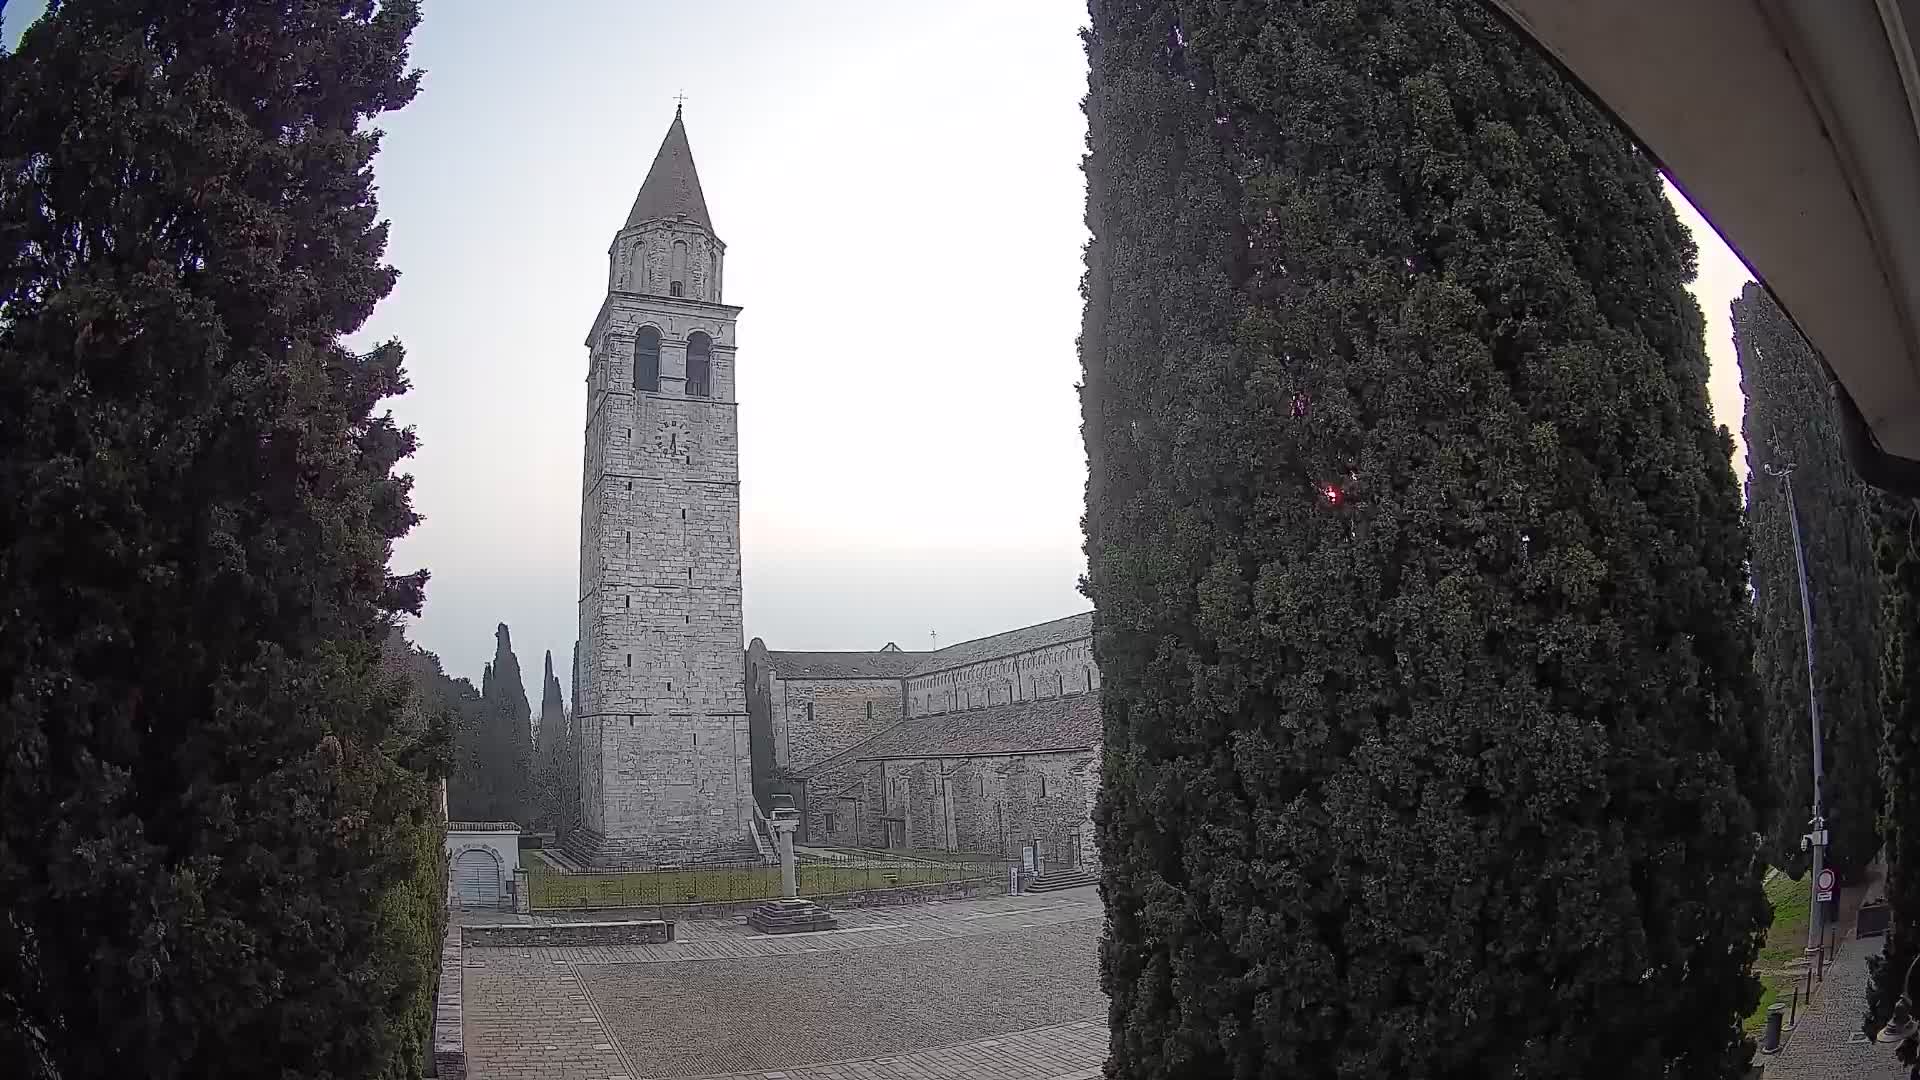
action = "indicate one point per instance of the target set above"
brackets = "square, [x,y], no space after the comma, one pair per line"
[481,859]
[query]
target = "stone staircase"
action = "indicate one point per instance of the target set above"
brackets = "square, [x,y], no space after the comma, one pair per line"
[763,846]
[1066,878]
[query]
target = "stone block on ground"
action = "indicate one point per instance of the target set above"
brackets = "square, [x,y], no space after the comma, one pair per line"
[790,917]
[449,1032]
[567,934]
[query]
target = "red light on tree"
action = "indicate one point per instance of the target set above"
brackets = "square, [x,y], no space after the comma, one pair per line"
[1331,494]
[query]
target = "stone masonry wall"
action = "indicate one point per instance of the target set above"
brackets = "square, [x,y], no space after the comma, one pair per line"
[1066,668]
[989,804]
[566,934]
[641,260]
[449,1025]
[665,770]
[814,719]
[841,808]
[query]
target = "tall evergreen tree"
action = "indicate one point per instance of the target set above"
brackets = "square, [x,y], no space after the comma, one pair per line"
[467,799]
[1897,550]
[549,750]
[1432,748]
[207,795]
[1791,420]
[413,911]
[506,745]
[457,705]
[570,762]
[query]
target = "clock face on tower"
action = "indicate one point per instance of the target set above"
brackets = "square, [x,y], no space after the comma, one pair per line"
[673,440]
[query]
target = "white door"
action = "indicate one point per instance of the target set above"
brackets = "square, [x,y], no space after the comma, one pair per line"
[476,879]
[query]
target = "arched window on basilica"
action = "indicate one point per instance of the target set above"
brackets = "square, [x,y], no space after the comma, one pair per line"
[646,360]
[699,365]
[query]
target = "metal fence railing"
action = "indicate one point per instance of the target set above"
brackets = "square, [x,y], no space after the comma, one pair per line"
[821,873]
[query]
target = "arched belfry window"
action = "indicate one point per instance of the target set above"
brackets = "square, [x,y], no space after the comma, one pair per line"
[646,360]
[678,278]
[699,365]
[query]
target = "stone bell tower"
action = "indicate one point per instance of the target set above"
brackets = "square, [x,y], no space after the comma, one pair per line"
[664,775]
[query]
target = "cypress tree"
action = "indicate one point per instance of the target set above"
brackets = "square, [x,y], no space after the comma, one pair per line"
[549,750]
[467,795]
[1431,741]
[209,798]
[1792,419]
[506,749]
[570,762]
[1897,551]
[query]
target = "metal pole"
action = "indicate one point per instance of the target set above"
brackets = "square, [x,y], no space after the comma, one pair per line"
[1816,840]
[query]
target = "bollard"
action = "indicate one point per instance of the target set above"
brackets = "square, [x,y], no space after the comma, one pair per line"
[1770,1038]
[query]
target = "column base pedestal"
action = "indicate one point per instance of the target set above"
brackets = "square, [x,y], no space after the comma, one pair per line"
[790,917]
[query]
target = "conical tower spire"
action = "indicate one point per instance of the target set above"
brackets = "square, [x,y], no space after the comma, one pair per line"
[672,186]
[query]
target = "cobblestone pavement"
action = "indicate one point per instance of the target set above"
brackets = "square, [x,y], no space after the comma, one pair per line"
[1825,1042]
[1001,988]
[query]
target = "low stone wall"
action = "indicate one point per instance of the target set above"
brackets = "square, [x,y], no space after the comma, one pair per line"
[449,1033]
[727,909]
[567,934]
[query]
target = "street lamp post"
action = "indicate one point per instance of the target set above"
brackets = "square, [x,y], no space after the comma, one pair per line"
[1815,841]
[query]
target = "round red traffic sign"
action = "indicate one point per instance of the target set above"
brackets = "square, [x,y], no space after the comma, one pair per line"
[1826,879]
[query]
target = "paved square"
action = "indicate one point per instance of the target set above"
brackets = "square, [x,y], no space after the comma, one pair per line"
[774,1013]
[1001,988]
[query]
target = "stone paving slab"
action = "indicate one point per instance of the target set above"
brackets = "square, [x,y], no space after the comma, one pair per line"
[773,1013]
[523,1026]
[996,988]
[734,940]
[930,911]
[1071,1051]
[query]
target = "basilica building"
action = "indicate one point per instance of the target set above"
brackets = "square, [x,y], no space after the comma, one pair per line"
[988,746]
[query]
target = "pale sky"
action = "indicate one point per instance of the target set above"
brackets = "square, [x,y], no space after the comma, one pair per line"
[899,189]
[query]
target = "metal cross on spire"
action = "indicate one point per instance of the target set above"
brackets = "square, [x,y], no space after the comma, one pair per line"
[679,99]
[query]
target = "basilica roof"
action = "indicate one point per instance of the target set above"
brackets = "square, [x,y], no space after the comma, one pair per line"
[672,186]
[1071,722]
[1027,638]
[886,664]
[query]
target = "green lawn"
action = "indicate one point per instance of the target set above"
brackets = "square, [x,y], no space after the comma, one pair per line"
[1773,987]
[645,888]
[1792,902]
